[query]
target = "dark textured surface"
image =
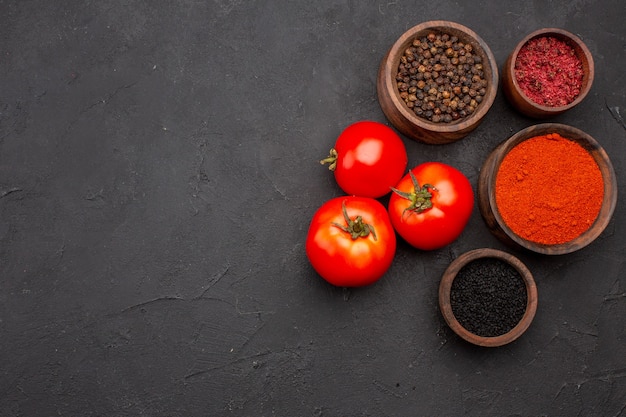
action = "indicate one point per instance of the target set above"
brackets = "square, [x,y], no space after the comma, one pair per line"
[158,169]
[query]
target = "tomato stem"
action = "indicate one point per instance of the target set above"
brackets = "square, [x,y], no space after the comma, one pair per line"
[331,159]
[356,228]
[420,197]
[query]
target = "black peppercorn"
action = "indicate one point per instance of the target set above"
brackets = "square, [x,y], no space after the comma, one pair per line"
[443,77]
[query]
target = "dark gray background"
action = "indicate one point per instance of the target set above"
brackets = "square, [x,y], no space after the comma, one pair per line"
[158,170]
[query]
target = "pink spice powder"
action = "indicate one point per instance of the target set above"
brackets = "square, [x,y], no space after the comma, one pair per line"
[549,72]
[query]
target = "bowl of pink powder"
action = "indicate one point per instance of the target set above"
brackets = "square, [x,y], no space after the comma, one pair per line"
[549,72]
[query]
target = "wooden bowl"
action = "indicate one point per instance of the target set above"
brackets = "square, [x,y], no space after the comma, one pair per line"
[520,101]
[445,306]
[405,120]
[487,199]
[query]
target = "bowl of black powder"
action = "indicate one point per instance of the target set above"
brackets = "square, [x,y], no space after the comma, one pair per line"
[488,297]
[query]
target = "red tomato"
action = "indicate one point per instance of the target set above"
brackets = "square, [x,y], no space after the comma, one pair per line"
[351,242]
[431,205]
[368,159]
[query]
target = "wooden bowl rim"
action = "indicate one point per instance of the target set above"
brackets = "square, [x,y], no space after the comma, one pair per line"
[606,168]
[398,48]
[583,53]
[446,309]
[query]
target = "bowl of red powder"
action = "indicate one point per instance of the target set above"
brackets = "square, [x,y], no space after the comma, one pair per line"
[550,188]
[437,82]
[488,297]
[549,72]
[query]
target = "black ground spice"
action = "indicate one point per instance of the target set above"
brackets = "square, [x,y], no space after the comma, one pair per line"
[488,297]
[440,78]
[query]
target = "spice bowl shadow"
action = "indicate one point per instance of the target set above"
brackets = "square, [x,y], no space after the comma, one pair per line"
[514,92]
[491,213]
[446,298]
[405,119]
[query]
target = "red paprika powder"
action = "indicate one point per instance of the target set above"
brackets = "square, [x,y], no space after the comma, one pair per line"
[549,189]
[549,72]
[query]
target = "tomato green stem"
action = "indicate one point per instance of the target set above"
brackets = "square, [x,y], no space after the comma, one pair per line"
[356,228]
[420,197]
[331,159]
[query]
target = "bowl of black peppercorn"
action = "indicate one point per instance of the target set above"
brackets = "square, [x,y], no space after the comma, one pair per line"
[488,297]
[437,82]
